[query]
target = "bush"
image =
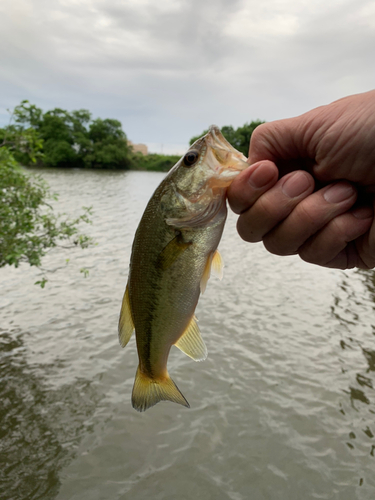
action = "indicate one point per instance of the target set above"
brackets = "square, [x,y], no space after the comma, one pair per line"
[28,225]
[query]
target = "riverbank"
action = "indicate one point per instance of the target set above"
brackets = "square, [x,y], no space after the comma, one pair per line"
[154,162]
[141,163]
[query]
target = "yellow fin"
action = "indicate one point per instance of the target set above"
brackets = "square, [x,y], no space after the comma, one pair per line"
[172,251]
[206,274]
[215,264]
[125,324]
[147,392]
[191,342]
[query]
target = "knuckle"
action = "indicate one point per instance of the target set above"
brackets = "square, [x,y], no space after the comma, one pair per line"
[258,132]
[307,216]
[309,254]
[247,231]
[271,211]
[276,246]
[322,247]
[237,203]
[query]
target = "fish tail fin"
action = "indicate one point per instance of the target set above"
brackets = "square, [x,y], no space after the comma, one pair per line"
[147,392]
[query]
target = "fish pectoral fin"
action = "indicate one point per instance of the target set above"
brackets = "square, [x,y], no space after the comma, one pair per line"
[198,219]
[147,392]
[172,251]
[215,264]
[191,342]
[125,324]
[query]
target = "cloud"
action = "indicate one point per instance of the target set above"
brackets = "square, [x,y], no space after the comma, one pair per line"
[170,68]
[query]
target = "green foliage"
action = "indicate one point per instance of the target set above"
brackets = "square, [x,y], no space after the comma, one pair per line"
[28,114]
[154,162]
[106,131]
[109,156]
[109,147]
[66,139]
[28,225]
[59,153]
[239,138]
[84,271]
[26,147]
[58,138]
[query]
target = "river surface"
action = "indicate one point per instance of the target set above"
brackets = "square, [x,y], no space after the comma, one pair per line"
[283,408]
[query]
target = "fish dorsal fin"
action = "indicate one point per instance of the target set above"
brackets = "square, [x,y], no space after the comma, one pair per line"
[125,324]
[191,342]
[215,264]
[172,251]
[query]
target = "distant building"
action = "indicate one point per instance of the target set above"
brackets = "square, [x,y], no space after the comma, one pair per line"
[138,148]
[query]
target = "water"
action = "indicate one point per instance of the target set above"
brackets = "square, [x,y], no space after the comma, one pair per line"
[283,408]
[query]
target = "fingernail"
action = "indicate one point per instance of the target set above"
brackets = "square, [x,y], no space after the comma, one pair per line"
[338,193]
[261,176]
[296,184]
[363,212]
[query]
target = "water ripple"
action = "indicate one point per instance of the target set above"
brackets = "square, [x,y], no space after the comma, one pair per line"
[283,408]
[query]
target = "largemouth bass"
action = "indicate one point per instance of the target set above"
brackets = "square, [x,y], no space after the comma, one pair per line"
[173,253]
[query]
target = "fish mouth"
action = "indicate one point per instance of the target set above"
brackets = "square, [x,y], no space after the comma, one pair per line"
[222,157]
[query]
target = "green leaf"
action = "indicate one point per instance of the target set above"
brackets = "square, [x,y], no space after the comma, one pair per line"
[41,282]
[29,227]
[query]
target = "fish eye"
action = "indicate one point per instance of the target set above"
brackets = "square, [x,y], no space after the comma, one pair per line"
[190,158]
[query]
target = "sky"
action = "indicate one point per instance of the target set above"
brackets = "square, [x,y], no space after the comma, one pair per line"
[168,69]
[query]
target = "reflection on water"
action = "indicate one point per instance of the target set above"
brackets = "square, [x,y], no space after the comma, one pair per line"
[354,303]
[40,426]
[283,408]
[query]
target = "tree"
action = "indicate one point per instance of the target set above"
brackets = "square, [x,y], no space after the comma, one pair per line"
[21,136]
[109,145]
[243,135]
[73,139]
[239,138]
[28,225]
[106,131]
[65,137]
[27,114]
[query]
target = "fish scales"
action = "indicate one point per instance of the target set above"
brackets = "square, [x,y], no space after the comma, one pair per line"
[172,252]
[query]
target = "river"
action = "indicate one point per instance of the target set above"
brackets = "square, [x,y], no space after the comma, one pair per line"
[283,407]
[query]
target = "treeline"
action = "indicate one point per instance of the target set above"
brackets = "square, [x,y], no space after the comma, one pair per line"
[66,139]
[239,137]
[59,138]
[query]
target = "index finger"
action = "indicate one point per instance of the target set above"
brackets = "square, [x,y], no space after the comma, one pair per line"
[277,140]
[250,184]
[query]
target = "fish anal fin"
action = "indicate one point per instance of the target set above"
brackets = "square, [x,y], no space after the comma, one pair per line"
[172,251]
[215,264]
[191,342]
[148,392]
[126,324]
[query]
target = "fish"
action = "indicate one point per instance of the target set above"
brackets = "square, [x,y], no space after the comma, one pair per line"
[173,253]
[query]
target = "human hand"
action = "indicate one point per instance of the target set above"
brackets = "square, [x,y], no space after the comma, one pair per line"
[322,205]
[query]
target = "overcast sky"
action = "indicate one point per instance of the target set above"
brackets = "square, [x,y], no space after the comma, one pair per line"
[167,69]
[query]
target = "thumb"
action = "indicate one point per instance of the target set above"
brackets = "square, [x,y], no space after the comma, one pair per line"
[279,140]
